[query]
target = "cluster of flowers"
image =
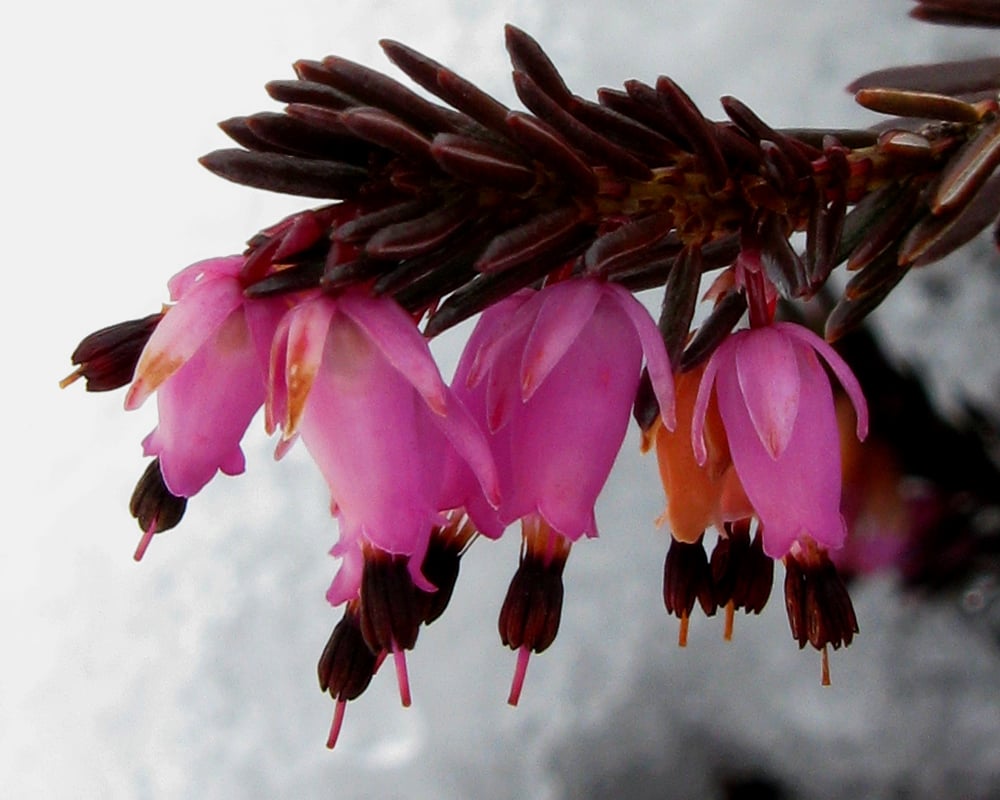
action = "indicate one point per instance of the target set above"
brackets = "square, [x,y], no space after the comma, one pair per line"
[545,224]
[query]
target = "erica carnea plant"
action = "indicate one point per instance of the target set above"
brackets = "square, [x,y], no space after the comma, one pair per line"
[545,222]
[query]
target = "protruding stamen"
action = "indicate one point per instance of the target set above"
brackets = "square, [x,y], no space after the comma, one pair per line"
[682,633]
[523,655]
[73,377]
[147,537]
[402,676]
[727,632]
[338,721]
[825,660]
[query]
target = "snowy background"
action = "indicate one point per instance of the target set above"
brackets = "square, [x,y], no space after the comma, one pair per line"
[193,673]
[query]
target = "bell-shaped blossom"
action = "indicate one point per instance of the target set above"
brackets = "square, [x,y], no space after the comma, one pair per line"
[206,360]
[777,407]
[552,375]
[698,495]
[353,376]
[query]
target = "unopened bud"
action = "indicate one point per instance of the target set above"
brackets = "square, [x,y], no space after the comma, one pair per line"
[106,358]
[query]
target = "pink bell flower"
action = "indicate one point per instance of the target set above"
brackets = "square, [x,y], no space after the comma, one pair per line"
[206,360]
[552,376]
[777,408]
[353,376]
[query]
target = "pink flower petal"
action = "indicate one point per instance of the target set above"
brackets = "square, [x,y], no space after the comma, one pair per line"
[564,311]
[502,330]
[495,328]
[393,331]
[263,318]
[361,427]
[382,426]
[768,376]
[210,269]
[308,328]
[205,408]
[722,360]
[276,394]
[283,446]
[503,394]
[565,440]
[577,347]
[181,332]
[840,369]
[471,446]
[661,374]
[798,493]
[346,583]
[458,481]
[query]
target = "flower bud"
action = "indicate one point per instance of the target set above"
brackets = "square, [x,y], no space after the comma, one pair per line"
[106,358]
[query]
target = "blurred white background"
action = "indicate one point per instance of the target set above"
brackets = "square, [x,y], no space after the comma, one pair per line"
[193,673]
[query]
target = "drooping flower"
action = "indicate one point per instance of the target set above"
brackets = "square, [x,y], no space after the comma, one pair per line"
[698,494]
[777,408]
[448,209]
[206,361]
[552,375]
[353,376]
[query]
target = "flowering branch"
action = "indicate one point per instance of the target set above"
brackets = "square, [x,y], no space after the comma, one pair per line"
[545,223]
